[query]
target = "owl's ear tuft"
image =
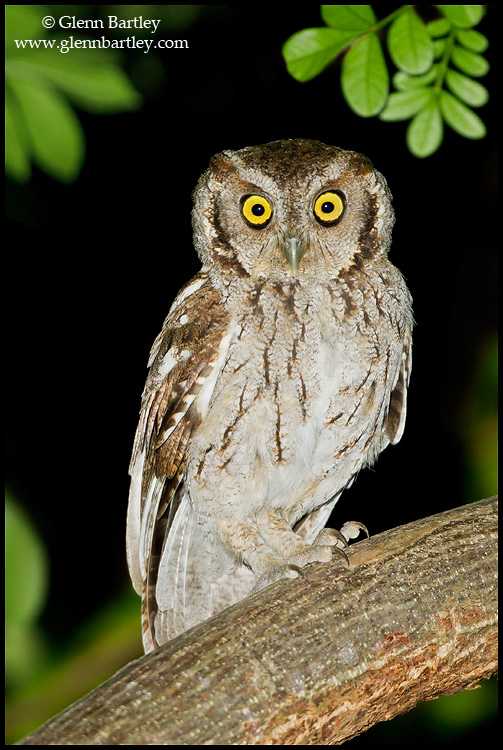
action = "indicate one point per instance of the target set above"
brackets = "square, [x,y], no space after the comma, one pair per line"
[361,164]
[222,164]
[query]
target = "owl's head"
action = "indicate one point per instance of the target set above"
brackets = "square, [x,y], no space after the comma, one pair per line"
[291,209]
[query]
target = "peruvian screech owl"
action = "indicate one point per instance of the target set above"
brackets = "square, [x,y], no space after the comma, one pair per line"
[281,370]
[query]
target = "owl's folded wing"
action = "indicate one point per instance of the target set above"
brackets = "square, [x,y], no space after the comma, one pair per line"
[394,423]
[181,362]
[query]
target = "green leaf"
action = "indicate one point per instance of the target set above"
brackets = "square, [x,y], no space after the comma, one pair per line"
[409,43]
[364,79]
[309,51]
[473,40]
[470,91]
[17,153]
[23,22]
[469,62]
[426,131]
[355,18]
[403,105]
[403,81]
[26,584]
[439,47]
[460,117]
[438,27]
[463,15]
[25,566]
[39,122]
[103,90]
[55,133]
[96,86]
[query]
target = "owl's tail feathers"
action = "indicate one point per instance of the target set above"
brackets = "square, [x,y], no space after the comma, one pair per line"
[196,578]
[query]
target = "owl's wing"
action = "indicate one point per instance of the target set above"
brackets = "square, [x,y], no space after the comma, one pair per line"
[182,360]
[394,423]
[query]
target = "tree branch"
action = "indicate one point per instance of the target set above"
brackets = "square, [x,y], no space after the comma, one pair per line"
[318,659]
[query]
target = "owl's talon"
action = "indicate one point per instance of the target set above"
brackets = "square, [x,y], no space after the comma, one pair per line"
[330,537]
[342,554]
[351,530]
[298,569]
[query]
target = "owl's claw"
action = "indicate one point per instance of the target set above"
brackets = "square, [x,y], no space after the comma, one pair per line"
[330,537]
[342,554]
[339,540]
[351,530]
[334,540]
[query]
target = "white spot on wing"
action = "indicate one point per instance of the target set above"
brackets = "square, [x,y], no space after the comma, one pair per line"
[187,292]
[176,417]
[206,391]
[170,359]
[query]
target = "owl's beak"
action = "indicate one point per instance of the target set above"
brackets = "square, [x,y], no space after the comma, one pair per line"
[293,250]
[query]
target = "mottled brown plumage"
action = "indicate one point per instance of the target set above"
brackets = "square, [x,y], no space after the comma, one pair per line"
[281,370]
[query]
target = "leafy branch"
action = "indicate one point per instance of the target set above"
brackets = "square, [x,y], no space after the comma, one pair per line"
[437,63]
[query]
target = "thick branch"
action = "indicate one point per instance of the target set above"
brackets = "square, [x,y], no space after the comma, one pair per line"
[319,659]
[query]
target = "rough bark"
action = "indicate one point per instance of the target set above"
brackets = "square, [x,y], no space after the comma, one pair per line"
[319,659]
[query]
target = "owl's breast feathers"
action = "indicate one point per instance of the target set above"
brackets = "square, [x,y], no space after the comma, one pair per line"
[298,376]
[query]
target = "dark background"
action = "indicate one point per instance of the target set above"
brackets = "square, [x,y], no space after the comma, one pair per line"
[93,267]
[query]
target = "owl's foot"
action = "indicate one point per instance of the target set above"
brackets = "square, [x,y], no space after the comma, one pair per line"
[326,543]
[321,550]
[274,551]
[340,539]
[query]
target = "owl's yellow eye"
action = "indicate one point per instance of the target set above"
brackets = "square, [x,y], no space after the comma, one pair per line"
[329,207]
[256,210]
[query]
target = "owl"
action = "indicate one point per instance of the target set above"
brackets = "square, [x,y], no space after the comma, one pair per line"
[281,370]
